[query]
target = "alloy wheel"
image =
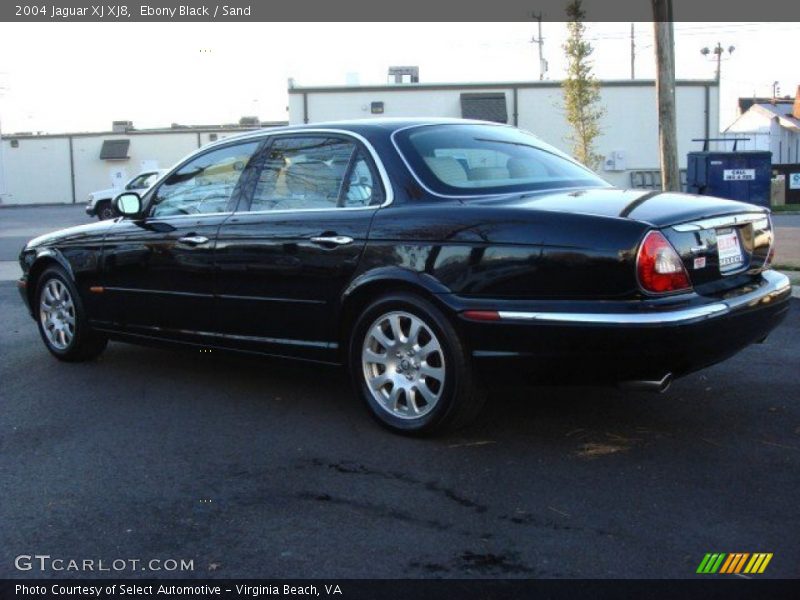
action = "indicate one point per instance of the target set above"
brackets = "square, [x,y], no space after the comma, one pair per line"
[403,365]
[57,314]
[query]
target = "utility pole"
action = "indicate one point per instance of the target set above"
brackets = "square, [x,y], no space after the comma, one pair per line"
[665,92]
[718,51]
[540,42]
[633,52]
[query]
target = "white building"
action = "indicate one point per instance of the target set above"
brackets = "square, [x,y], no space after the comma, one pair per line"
[772,126]
[67,167]
[629,141]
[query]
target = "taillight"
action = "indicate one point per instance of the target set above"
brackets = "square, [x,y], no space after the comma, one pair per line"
[659,267]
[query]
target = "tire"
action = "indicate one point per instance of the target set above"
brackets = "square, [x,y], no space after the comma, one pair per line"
[106,211]
[62,319]
[430,369]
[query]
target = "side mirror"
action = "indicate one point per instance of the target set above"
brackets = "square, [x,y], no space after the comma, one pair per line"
[128,204]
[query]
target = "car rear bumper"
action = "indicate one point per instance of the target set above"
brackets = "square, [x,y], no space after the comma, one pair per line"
[630,341]
[91,210]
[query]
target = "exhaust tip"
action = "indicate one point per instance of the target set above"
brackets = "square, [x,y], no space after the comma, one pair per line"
[649,385]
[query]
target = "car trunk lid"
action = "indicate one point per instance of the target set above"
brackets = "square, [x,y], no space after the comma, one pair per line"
[658,209]
[717,249]
[716,239]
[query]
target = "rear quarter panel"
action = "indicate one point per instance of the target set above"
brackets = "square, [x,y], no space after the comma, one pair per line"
[508,252]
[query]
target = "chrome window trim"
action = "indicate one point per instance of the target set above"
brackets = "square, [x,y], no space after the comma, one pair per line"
[382,173]
[468,196]
[724,221]
[305,210]
[227,213]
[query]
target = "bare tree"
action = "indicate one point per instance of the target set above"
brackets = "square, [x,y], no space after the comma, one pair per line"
[581,89]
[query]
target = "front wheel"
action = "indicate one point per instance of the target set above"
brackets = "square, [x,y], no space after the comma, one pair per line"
[411,368]
[62,320]
[106,211]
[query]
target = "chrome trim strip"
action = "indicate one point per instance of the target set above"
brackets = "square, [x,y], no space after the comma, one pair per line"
[213,296]
[724,221]
[773,286]
[160,292]
[269,299]
[246,338]
[649,318]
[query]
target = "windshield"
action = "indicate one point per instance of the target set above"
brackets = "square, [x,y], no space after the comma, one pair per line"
[488,159]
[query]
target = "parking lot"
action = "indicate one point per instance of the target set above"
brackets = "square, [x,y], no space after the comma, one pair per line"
[256,468]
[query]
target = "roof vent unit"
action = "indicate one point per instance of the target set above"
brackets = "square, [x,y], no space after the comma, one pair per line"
[121,126]
[488,106]
[400,75]
[249,122]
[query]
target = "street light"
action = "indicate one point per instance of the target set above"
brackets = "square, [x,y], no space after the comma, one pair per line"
[718,51]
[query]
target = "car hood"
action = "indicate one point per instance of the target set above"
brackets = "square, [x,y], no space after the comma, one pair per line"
[655,208]
[71,234]
[107,193]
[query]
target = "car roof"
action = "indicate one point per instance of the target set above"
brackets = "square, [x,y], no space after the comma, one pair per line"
[382,125]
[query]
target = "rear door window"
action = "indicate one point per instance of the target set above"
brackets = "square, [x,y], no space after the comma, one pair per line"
[315,173]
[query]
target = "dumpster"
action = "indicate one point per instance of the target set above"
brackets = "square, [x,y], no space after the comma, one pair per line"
[744,175]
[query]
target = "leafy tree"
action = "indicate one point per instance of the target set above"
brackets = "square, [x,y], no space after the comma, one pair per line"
[581,89]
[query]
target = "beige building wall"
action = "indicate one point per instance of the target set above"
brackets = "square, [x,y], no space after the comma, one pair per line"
[629,127]
[37,170]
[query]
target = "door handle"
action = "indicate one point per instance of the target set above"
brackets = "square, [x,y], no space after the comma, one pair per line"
[339,240]
[194,240]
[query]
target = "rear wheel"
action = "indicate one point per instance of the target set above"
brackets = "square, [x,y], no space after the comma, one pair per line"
[62,320]
[411,368]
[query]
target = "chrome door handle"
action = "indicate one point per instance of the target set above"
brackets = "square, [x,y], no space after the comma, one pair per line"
[194,240]
[339,240]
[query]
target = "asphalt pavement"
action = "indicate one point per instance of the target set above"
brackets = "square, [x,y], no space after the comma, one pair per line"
[259,468]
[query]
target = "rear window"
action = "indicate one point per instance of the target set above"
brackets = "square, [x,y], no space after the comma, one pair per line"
[485,159]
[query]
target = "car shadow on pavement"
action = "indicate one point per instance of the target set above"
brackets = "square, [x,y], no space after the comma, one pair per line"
[592,421]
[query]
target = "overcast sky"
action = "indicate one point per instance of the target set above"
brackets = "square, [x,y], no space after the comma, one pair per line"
[58,77]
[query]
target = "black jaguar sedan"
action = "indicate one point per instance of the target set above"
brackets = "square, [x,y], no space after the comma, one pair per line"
[434,258]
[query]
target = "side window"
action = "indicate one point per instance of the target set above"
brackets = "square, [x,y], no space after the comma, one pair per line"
[150,180]
[363,186]
[301,173]
[205,184]
[138,182]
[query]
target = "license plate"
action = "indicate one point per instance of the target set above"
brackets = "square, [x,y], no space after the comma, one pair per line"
[729,250]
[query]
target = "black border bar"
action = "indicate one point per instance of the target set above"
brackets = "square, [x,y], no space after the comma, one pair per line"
[382,10]
[705,587]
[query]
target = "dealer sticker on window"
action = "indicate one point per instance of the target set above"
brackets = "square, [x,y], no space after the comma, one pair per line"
[728,250]
[739,174]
